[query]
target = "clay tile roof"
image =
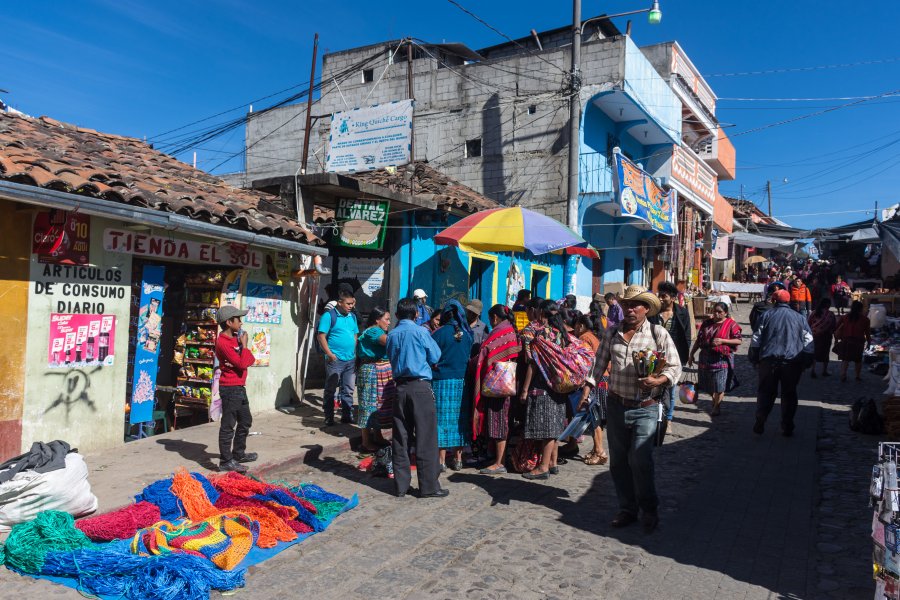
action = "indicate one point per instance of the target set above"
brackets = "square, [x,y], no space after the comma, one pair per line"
[49,154]
[446,191]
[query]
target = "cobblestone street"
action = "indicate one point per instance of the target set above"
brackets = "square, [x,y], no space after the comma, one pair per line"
[743,516]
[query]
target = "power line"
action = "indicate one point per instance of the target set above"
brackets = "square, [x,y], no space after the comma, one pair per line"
[801,69]
[827,99]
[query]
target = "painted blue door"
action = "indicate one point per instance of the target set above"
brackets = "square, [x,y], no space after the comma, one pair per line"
[539,283]
[481,281]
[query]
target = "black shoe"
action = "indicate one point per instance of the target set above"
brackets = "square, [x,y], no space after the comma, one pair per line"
[329,421]
[553,470]
[787,431]
[346,420]
[232,465]
[246,457]
[623,519]
[759,427]
[536,476]
[441,493]
[650,521]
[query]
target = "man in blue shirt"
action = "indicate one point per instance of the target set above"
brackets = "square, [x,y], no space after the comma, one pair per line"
[412,352]
[338,343]
[781,347]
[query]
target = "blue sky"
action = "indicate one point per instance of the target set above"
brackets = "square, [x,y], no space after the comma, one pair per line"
[142,68]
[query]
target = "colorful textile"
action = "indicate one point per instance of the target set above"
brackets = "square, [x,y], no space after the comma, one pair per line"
[711,379]
[121,524]
[224,541]
[370,384]
[565,368]
[496,418]
[501,345]
[369,348]
[546,417]
[170,508]
[452,416]
[728,329]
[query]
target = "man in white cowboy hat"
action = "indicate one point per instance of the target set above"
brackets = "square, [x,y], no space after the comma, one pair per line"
[423,311]
[633,404]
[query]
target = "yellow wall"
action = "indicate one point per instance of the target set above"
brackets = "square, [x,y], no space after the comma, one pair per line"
[15,228]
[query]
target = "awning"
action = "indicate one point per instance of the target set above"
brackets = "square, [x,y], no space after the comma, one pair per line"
[751,240]
[865,236]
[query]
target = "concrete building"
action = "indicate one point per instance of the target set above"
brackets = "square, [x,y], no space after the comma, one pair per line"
[496,120]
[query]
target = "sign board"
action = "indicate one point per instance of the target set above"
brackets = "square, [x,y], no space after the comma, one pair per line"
[146,353]
[81,340]
[363,223]
[263,303]
[174,249]
[369,272]
[640,197]
[370,138]
[62,237]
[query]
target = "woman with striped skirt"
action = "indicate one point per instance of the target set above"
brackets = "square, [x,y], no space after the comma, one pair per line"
[454,338]
[374,376]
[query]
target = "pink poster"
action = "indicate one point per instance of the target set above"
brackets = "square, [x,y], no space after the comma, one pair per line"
[81,340]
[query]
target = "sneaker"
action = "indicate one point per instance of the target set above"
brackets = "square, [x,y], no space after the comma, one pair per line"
[246,457]
[232,465]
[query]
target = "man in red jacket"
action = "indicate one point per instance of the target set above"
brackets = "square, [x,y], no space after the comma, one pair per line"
[234,359]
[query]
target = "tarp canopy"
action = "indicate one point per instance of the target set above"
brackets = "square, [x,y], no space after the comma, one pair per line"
[752,240]
[889,232]
[867,235]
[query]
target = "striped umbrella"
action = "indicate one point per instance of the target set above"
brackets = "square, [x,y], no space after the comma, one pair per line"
[513,229]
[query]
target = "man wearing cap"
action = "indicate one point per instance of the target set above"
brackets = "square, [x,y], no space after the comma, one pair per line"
[234,359]
[762,306]
[781,347]
[479,329]
[423,311]
[633,410]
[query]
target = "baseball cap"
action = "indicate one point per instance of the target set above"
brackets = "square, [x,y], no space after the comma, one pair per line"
[419,293]
[475,306]
[229,312]
[782,296]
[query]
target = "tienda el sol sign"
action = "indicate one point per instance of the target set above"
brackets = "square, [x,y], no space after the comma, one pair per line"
[174,249]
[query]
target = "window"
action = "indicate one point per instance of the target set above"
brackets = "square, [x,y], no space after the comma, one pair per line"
[368,75]
[473,148]
[532,109]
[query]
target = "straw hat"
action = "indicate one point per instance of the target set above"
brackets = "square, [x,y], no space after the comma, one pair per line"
[638,293]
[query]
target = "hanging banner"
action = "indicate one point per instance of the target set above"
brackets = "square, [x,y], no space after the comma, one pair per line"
[370,138]
[260,345]
[81,341]
[62,237]
[263,303]
[146,353]
[363,223]
[639,196]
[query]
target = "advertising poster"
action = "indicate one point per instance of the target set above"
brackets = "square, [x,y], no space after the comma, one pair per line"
[62,237]
[146,353]
[81,341]
[515,281]
[639,196]
[263,303]
[363,223]
[260,345]
[369,272]
[370,138]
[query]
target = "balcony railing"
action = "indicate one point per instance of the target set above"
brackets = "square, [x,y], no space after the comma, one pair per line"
[694,174]
[682,67]
[594,174]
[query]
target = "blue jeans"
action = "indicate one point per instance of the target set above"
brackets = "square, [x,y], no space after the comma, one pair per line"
[669,394]
[631,434]
[340,374]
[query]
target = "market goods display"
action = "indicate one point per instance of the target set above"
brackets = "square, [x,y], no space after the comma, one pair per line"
[184,536]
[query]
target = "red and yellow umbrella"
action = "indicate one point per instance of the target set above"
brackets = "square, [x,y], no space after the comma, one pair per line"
[513,229]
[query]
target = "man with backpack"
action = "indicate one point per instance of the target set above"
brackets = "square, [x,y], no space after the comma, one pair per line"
[762,306]
[633,409]
[337,333]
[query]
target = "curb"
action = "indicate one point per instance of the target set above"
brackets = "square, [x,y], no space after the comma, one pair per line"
[298,459]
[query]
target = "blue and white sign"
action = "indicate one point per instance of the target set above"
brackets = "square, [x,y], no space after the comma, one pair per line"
[640,197]
[364,139]
[146,352]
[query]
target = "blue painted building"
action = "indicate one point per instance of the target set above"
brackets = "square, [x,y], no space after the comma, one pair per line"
[639,114]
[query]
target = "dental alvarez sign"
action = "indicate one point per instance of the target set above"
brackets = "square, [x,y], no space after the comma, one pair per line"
[174,249]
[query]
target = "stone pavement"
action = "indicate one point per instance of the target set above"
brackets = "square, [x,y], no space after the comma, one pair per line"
[743,516]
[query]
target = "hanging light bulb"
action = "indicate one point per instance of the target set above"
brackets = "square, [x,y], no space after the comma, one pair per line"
[655,15]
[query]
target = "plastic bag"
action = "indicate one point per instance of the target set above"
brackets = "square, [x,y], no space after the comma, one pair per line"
[29,493]
[215,403]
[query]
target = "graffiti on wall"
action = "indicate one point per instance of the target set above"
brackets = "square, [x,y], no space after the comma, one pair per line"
[74,391]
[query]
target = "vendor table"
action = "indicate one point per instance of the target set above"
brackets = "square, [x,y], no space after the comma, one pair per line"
[890,301]
[750,290]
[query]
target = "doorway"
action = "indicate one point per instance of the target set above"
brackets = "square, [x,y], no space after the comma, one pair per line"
[481,281]
[540,281]
[629,265]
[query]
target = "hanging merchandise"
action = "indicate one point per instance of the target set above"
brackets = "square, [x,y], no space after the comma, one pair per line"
[146,355]
[884,497]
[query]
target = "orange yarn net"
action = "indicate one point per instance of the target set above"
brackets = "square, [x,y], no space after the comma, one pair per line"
[272,529]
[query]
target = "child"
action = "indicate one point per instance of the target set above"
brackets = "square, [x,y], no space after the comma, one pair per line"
[234,359]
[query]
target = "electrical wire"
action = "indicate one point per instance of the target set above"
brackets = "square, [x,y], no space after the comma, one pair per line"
[802,69]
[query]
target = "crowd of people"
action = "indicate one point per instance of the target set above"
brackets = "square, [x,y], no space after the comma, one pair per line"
[455,389]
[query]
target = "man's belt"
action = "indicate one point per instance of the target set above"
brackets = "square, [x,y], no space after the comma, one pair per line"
[633,403]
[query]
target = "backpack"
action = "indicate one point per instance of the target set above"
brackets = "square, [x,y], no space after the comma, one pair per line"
[383,463]
[333,314]
[564,368]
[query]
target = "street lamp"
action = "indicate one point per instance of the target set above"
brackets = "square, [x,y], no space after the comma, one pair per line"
[655,15]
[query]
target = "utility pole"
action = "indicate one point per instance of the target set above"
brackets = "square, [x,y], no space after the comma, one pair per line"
[574,134]
[769,192]
[309,102]
[412,96]
[742,191]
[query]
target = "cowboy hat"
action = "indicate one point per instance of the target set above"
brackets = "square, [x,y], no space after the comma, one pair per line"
[638,293]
